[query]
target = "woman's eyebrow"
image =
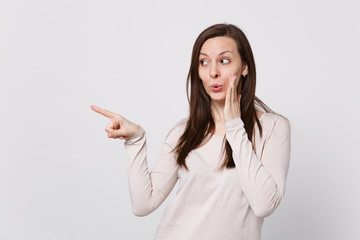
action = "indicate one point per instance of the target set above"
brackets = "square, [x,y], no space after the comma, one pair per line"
[219,53]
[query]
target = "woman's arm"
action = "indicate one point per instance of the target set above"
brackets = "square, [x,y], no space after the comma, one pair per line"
[149,189]
[262,178]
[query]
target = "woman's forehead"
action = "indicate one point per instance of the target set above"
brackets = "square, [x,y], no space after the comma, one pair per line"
[218,45]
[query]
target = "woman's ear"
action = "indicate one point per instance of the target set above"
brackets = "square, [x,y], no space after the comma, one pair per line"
[245,70]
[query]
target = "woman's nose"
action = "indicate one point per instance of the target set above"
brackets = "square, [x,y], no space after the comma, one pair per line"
[214,71]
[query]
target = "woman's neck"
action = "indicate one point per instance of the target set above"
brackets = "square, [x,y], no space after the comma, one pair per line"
[217,110]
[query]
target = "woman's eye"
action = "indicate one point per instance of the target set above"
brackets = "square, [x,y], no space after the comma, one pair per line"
[203,62]
[225,60]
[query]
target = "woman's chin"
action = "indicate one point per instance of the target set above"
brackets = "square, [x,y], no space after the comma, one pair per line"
[218,99]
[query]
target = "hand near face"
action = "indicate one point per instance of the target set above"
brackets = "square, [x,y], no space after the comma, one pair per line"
[232,100]
[118,127]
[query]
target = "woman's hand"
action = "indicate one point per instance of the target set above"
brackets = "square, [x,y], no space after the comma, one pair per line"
[232,100]
[118,127]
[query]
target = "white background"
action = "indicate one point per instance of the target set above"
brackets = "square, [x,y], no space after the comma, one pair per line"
[62,178]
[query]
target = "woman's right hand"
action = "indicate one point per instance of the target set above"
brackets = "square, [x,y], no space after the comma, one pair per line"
[118,127]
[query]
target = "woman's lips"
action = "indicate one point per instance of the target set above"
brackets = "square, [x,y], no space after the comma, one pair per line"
[216,87]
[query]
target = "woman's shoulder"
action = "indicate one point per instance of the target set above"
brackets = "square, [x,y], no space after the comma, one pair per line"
[271,120]
[180,125]
[271,116]
[177,130]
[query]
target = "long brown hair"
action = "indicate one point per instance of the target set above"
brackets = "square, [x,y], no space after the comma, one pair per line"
[200,122]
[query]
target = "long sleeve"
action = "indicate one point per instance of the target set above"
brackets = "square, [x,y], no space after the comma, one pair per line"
[263,177]
[148,190]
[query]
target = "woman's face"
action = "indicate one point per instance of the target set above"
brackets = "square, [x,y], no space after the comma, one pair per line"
[219,58]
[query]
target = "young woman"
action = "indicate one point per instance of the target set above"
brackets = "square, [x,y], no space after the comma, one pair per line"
[231,155]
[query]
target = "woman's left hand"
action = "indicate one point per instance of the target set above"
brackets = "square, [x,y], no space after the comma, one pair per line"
[232,100]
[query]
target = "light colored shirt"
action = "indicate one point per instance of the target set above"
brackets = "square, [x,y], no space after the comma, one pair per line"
[209,204]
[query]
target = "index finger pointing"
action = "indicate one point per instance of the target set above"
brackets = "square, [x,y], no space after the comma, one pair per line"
[104,112]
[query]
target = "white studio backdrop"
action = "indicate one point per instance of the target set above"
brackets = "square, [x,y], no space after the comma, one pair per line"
[62,178]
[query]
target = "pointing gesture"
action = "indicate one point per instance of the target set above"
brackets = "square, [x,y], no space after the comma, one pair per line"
[118,127]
